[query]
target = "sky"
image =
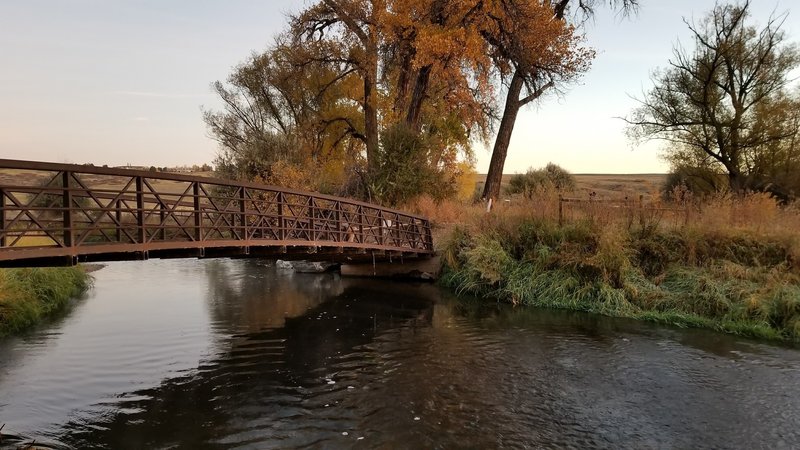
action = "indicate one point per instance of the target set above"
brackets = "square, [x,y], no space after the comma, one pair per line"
[124,82]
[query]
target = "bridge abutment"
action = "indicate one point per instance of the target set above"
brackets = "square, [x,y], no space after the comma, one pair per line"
[417,269]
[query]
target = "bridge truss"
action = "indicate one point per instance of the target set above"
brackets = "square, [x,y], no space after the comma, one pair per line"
[60,214]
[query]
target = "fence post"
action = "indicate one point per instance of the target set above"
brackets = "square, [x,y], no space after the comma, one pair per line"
[560,210]
[641,210]
[198,216]
[67,204]
[140,210]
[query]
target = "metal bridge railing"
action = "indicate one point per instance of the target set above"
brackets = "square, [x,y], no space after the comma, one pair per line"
[52,210]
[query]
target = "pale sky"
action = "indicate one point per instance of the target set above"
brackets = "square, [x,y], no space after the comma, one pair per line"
[116,82]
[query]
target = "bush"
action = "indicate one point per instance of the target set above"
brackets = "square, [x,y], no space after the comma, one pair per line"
[551,177]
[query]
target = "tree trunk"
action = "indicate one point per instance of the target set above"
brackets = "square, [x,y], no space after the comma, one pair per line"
[417,97]
[371,117]
[736,182]
[404,78]
[495,176]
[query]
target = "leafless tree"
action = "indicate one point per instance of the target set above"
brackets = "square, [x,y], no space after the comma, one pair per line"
[713,99]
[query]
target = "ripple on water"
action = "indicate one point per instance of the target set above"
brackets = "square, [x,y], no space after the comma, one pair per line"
[236,355]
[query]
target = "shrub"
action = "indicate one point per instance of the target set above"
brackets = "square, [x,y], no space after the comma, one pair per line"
[551,177]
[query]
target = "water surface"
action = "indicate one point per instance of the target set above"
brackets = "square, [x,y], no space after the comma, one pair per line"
[238,354]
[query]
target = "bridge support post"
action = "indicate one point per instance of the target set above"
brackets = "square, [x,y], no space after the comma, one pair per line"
[66,203]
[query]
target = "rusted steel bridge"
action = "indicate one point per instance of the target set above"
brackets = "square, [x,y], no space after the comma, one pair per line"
[61,214]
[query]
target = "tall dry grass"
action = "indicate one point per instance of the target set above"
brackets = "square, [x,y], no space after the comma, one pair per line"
[755,215]
[28,295]
[727,263]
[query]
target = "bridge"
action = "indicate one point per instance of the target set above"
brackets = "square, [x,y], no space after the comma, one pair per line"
[62,214]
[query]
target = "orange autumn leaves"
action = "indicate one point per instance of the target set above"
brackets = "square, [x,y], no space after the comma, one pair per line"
[347,73]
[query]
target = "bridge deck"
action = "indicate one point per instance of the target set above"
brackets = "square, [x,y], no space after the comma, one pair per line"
[60,214]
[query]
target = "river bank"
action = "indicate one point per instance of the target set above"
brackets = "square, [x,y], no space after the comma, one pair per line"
[728,280]
[29,295]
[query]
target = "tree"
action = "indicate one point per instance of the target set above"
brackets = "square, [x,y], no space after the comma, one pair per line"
[348,73]
[724,101]
[281,106]
[528,70]
[418,54]
[348,29]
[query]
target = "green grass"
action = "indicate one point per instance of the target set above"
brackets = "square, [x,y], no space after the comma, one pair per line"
[734,284]
[29,295]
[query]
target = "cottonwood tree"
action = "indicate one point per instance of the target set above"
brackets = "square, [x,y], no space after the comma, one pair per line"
[724,100]
[529,68]
[443,53]
[275,112]
[349,28]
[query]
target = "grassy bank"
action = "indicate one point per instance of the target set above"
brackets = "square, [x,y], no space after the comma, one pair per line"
[29,295]
[737,279]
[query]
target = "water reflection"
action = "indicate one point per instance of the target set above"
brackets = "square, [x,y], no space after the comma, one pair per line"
[295,360]
[286,373]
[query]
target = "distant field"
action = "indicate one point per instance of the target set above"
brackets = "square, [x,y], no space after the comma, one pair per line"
[605,185]
[608,185]
[33,178]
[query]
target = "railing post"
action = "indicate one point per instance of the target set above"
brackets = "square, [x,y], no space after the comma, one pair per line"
[198,216]
[2,218]
[360,214]
[66,203]
[428,236]
[140,231]
[118,216]
[312,233]
[381,227]
[560,210]
[161,215]
[281,217]
[338,218]
[398,239]
[243,213]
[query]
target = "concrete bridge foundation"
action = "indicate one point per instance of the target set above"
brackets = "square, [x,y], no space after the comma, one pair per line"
[418,269]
